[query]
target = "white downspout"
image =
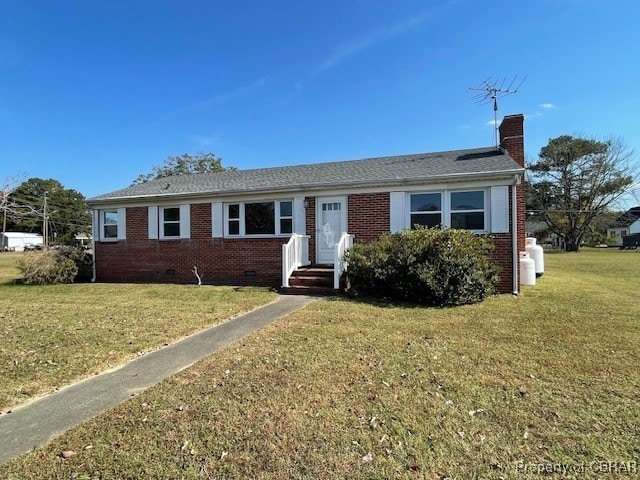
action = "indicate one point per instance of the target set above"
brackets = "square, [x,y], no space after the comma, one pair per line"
[95,230]
[514,232]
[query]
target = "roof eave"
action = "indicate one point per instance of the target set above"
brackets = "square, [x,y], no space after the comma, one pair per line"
[498,174]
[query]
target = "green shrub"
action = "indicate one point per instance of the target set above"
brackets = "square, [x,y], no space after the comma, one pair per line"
[83,260]
[428,266]
[47,267]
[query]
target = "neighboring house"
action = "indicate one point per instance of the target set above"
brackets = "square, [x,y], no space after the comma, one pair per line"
[625,224]
[18,241]
[540,230]
[255,226]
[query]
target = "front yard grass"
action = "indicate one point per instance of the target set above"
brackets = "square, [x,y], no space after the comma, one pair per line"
[355,389]
[54,334]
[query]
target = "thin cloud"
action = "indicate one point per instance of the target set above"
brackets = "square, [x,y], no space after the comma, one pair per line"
[531,116]
[547,106]
[209,102]
[347,50]
[203,141]
[492,123]
[344,51]
[370,39]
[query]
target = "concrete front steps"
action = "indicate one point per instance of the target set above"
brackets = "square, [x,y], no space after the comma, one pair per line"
[315,280]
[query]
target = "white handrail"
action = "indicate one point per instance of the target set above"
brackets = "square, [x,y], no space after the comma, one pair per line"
[339,265]
[295,253]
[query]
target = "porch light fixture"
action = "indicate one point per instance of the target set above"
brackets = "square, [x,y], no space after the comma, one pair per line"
[306,203]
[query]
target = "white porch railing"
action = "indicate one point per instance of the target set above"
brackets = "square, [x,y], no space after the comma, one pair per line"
[295,253]
[339,266]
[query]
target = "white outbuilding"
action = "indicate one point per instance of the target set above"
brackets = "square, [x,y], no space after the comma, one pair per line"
[17,241]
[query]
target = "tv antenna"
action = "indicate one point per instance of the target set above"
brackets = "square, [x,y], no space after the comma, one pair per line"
[490,90]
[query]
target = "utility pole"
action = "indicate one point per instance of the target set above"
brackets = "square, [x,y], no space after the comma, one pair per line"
[45,222]
[5,200]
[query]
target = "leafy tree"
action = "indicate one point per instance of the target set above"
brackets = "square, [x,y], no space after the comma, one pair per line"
[575,182]
[184,164]
[67,211]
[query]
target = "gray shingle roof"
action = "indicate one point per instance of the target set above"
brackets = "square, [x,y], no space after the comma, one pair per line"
[390,171]
[627,218]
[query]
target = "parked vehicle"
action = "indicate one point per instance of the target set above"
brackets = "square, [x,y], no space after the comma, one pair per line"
[631,241]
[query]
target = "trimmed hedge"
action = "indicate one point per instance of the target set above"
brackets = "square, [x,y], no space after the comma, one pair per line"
[427,266]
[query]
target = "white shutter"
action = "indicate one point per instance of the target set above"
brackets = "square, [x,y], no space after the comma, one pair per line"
[299,216]
[97,235]
[499,211]
[152,219]
[217,220]
[185,221]
[122,224]
[397,211]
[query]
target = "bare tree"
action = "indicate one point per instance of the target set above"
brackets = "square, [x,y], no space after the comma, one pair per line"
[9,185]
[198,276]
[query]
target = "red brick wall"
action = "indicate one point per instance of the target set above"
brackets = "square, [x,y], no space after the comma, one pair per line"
[310,219]
[512,137]
[368,215]
[224,260]
[511,132]
[138,259]
[503,256]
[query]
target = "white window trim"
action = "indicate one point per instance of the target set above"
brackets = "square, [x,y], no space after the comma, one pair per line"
[279,217]
[484,211]
[121,226]
[162,222]
[446,207]
[156,222]
[431,212]
[242,230]
[103,237]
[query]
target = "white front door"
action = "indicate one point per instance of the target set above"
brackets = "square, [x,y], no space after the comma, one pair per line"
[331,221]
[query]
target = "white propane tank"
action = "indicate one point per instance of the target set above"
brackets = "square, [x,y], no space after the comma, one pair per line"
[536,252]
[527,270]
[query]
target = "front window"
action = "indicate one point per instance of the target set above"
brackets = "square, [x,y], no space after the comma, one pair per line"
[260,218]
[110,224]
[426,209]
[467,210]
[170,222]
[234,219]
[286,217]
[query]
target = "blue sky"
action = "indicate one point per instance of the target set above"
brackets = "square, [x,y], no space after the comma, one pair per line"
[93,93]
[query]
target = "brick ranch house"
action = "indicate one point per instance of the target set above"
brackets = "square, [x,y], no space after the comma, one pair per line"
[263,226]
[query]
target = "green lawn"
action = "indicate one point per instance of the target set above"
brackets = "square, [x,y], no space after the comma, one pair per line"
[8,266]
[346,389]
[51,335]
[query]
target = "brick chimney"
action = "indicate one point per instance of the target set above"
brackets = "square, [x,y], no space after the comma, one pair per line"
[511,132]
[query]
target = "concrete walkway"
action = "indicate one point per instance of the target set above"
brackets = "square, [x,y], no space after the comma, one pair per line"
[37,423]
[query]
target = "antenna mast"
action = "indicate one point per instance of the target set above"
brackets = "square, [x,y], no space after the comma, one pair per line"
[490,91]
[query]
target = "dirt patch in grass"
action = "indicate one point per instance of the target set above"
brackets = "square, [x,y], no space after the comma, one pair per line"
[346,389]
